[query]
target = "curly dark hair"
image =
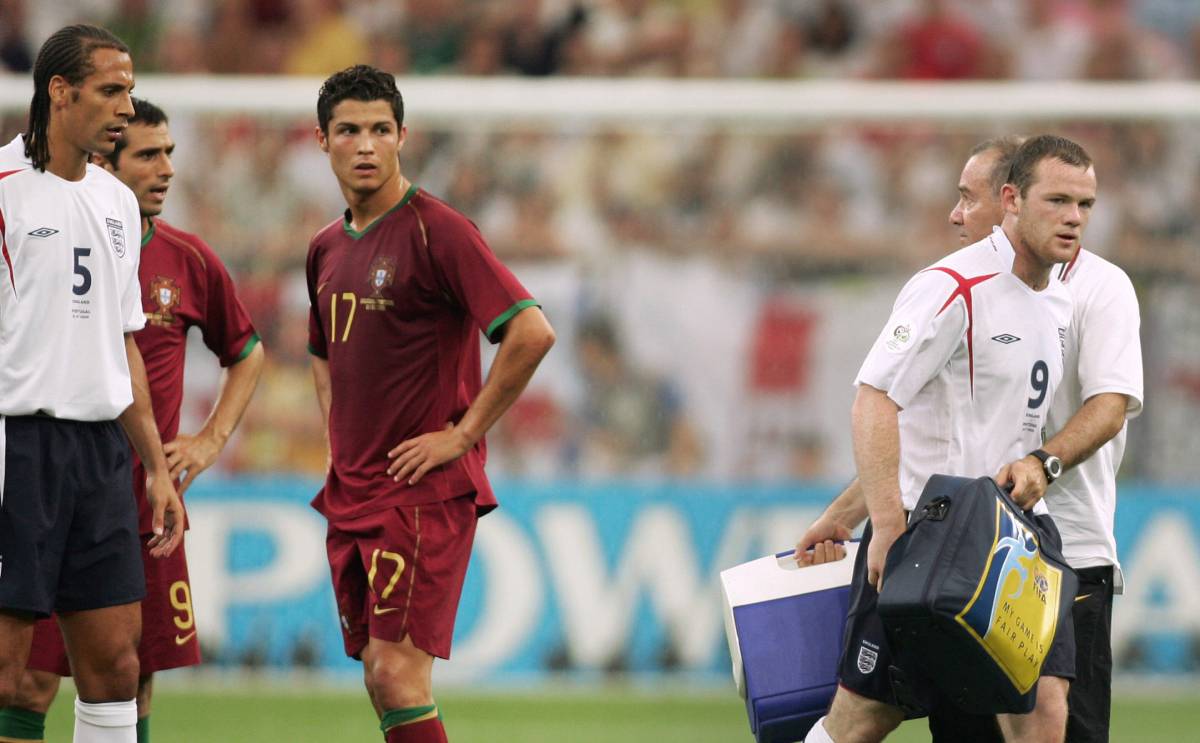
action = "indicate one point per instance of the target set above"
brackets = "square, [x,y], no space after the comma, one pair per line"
[359,83]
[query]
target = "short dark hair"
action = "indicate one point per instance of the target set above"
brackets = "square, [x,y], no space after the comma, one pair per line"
[359,83]
[1005,148]
[1043,147]
[68,53]
[145,113]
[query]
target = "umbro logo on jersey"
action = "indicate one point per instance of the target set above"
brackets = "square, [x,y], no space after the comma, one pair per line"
[43,232]
[1005,338]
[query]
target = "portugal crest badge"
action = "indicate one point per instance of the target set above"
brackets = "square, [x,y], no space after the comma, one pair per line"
[383,270]
[380,276]
[164,292]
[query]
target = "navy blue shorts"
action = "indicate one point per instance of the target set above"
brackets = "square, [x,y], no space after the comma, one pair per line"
[867,667]
[68,521]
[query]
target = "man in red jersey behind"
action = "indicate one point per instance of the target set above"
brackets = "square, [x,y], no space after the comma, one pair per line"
[184,284]
[400,287]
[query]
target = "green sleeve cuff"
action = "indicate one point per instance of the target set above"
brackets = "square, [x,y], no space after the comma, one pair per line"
[507,315]
[253,341]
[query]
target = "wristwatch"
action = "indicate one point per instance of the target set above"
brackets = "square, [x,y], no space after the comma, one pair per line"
[1051,464]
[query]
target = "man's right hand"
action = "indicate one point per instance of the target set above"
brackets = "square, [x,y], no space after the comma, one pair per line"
[819,544]
[882,539]
[167,521]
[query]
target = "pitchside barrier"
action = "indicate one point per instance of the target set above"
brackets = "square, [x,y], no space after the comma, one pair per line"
[614,578]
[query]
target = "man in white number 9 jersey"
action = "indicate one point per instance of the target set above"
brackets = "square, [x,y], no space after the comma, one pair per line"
[960,382]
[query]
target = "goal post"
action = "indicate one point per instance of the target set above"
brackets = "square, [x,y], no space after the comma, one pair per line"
[462,102]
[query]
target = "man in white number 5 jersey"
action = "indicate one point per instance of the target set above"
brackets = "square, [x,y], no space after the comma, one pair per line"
[71,378]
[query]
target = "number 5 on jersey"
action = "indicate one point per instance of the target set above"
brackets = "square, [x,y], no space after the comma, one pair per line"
[82,272]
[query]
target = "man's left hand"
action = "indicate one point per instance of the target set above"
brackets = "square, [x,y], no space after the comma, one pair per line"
[414,457]
[1028,480]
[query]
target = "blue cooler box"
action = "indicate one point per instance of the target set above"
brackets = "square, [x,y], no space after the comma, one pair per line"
[784,625]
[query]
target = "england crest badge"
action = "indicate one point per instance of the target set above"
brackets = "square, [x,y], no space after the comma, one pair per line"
[116,235]
[866,659]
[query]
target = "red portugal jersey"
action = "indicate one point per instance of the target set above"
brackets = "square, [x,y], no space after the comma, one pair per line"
[184,284]
[396,309]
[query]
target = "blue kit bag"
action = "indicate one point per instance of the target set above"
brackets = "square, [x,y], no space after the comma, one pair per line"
[973,593]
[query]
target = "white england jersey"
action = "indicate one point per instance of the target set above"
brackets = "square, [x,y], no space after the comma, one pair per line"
[1103,354]
[68,290]
[972,356]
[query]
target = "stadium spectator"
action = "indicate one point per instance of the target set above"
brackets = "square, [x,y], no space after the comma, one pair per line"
[183,285]
[636,37]
[733,38]
[433,34]
[1122,50]
[15,54]
[70,375]
[537,45]
[631,421]
[1050,44]
[405,430]
[936,44]
[925,39]
[138,24]
[180,50]
[323,39]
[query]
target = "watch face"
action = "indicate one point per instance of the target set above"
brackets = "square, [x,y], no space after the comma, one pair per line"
[1054,466]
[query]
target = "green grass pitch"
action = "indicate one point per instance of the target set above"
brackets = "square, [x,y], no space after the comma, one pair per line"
[248,715]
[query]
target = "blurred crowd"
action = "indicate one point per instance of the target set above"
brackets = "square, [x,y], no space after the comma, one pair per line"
[733,358]
[890,39]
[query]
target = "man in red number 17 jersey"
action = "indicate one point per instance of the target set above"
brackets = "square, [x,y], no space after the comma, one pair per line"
[400,288]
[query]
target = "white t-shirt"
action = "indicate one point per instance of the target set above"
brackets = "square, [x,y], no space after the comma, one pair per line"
[972,356]
[1103,354]
[68,290]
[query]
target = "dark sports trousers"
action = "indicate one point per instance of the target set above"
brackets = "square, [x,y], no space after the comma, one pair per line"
[68,523]
[1090,699]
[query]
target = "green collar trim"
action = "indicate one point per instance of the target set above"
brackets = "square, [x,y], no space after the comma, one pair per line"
[356,234]
[149,234]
